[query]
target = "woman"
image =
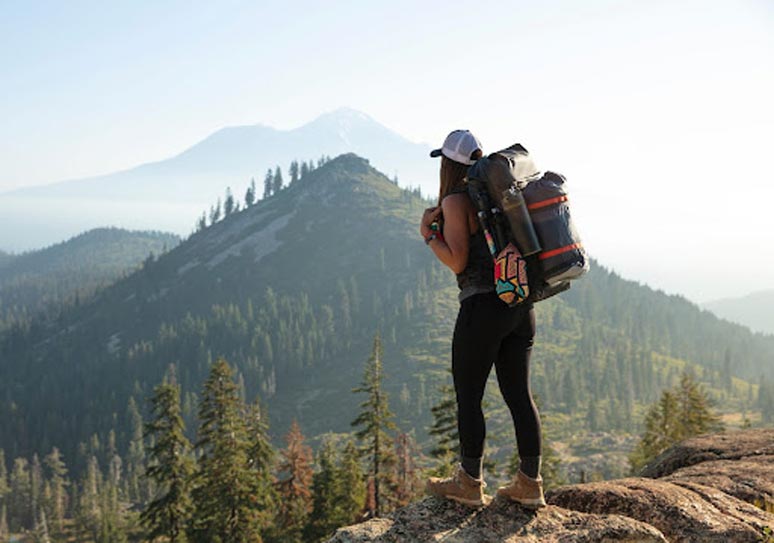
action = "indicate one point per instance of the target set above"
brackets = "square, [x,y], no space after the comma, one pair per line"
[487,332]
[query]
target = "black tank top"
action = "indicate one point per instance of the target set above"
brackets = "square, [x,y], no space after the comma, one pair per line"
[478,275]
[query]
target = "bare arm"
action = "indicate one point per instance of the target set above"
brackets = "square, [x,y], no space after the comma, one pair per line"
[452,250]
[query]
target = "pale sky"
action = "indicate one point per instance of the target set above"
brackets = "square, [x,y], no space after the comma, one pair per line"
[660,113]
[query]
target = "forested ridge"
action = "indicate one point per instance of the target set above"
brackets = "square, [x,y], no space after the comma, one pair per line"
[291,290]
[38,282]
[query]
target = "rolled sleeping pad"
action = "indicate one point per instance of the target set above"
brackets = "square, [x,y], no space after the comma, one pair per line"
[563,257]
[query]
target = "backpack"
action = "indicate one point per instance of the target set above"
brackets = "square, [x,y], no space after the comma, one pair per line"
[527,223]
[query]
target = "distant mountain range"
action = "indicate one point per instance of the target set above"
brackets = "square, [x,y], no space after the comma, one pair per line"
[756,310]
[170,194]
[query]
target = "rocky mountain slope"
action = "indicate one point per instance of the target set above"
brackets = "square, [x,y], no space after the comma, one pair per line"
[713,488]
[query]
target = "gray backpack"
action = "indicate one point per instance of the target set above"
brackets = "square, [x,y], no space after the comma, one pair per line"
[523,205]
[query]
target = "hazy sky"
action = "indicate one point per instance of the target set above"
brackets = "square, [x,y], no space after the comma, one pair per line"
[659,112]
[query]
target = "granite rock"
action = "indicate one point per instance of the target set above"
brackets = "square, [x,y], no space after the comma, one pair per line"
[709,447]
[683,513]
[750,479]
[434,519]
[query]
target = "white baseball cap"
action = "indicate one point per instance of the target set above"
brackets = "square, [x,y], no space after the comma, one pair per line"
[459,146]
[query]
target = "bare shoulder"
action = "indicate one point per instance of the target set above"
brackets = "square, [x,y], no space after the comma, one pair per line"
[460,206]
[456,203]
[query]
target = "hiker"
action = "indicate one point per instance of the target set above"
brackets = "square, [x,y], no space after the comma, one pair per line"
[487,332]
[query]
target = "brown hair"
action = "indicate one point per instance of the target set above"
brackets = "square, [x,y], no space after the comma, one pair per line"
[453,174]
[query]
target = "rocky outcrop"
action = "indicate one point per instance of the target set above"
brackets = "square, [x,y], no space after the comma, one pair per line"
[687,513]
[434,519]
[706,448]
[709,488]
[713,488]
[749,479]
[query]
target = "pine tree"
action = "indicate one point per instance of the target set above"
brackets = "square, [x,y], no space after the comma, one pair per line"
[695,409]
[250,193]
[268,184]
[293,488]
[352,487]
[170,466]
[375,420]
[225,487]
[445,431]
[20,497]
[36,487]
[277,182]
[304,169]
[215,212]
[138,488]
[407,474]
[201,222]
[112,520]
[58,483]
[4,530]
[4,488]
[89,511]
[765,400]
[294,171]
[40,531]
[325,517]
[682,412]
[261,462]
[229,203]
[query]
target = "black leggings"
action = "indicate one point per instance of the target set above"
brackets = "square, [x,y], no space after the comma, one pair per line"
[487,331]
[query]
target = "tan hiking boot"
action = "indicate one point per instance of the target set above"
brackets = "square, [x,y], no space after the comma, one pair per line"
[461,488]
[524,490]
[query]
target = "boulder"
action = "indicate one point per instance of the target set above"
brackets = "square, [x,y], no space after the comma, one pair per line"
[434,519]
[683,513]
[750,479]
[709,447]
[711,488]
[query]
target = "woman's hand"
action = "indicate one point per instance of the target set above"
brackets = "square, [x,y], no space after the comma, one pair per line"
[452,248]
[428,217]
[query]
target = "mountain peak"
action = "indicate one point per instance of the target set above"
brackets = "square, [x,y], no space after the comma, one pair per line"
[344,114]
[347,170]
[193,179]
[350,160]
[352,128]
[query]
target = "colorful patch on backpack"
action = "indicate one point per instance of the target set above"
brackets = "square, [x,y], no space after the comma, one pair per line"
[510,275]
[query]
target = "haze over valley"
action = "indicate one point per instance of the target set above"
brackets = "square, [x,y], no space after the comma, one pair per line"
[655,239]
